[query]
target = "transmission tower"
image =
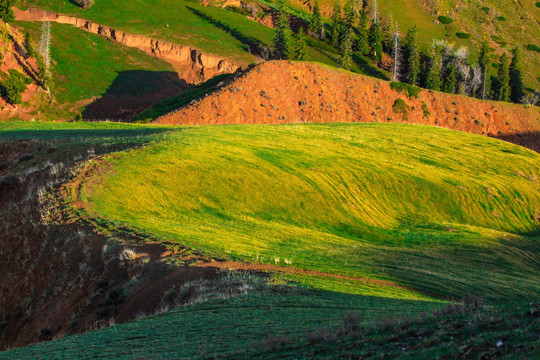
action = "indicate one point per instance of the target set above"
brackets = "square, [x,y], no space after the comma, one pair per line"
[45,42]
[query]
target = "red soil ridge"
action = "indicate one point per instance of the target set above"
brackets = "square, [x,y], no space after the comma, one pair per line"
[280,92]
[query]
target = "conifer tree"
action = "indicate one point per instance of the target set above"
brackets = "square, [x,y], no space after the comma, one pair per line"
[6,11]
[386,26]
[375,41]
[315,25]
[516,79]
[43,72]
[503,79]
[449,80]
[30,50]
[336,24]
[412,57]
[485,64]
[281,36]
[362,41]
[350,15]
[433,78]
[300,50]
[345,50]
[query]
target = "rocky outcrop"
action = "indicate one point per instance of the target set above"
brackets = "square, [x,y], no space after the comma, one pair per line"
[191,64]
[278,92]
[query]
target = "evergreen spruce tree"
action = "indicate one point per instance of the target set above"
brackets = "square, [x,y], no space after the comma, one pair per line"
[350,15]
[315,25]
[6,11]
[412,57]
[386,26]
[345,50]
[503,79]
[433,80]
[485,64]
[281,36]
[30,50]
[43,72]
[375,41]
[516,79]
[336,24]
[362,41]
[449,80]
[300,50]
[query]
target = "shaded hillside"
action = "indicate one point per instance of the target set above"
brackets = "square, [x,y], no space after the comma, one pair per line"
[454,332]
[292,92]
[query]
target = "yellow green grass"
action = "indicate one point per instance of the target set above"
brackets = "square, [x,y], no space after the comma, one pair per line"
[444,212]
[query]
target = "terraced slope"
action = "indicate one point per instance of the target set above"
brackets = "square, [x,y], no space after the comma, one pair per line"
[443,212]
[280,92]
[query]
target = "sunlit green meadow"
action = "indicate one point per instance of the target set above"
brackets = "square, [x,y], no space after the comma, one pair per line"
[445,212]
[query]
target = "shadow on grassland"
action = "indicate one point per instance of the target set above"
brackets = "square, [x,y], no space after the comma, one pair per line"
[133,92]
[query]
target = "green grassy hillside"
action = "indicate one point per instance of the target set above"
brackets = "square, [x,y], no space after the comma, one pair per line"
[322,197]
[444,212]
[503,23]
[86,65]
[307,326]
[213,30]
[238,327]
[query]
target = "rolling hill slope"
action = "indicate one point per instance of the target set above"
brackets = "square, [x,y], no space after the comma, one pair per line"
[419,206]
[293,92]
[375,219]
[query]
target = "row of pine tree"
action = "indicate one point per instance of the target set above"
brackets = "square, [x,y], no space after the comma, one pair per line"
[355,29]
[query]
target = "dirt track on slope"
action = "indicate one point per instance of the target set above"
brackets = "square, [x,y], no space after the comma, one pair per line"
[280,92]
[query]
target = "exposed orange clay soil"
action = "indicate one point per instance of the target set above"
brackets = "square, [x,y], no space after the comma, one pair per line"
[14,57]
[279,92]
[190,63]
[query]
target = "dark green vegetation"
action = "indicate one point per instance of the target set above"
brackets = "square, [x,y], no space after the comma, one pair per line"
[376,203]
[469,331]
[463,35]
[445,20]
[6,13]
[410,90]
[12,85]
[533,47]
[401,107]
